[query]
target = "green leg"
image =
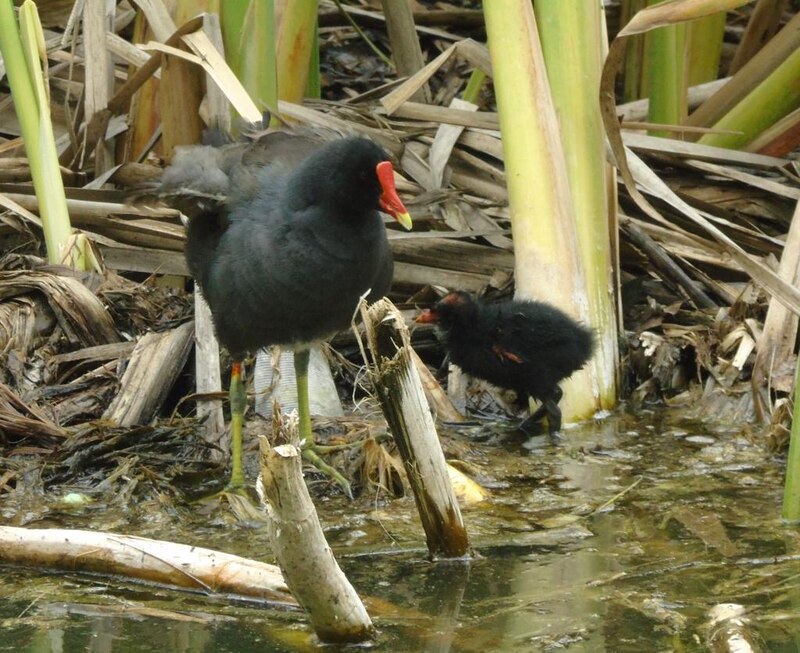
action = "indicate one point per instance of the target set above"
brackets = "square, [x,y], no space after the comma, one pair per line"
[301,375]
[306,436]
[238,399]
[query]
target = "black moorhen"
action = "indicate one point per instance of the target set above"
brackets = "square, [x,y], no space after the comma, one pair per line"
[283,253]
[526,346]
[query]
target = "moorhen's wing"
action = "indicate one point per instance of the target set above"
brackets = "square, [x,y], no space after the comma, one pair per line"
[524,333]
[289,146]
[271,147]
[196,183]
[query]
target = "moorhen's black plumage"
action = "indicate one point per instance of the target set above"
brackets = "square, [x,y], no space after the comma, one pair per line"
[283,252]
[525,346]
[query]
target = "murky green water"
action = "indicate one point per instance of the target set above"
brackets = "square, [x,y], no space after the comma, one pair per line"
[620,539]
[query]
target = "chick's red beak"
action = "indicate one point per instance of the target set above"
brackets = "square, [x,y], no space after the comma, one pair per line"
[390,200]
[427,316]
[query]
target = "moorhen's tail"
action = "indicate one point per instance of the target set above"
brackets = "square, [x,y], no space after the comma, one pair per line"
[203,234]
[223,170]
[196,182]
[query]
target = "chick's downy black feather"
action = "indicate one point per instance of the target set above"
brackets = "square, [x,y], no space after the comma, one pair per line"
[525,346]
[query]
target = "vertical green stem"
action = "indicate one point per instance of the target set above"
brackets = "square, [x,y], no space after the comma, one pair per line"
[295,33]
[546,250]
[314,85]
[232,18]
[666,80]
[572,44]
[791,491]
[248,30]
[14,59]
[635,77]
[21,52]
[472,92]
[705,48]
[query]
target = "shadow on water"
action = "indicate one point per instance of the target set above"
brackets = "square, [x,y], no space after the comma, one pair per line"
[620,538]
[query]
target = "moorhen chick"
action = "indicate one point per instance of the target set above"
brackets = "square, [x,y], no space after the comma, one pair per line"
[285,256]
[525,346]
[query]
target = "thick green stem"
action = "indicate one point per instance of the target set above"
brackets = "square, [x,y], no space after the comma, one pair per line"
[233,14]
[248,30]
[771,100]
[314,84]
[705,49]
[666,83]
[635,73]
[295,33]
[546,249]
[583,138]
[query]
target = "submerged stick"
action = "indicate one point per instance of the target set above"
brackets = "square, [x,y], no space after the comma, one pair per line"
[402,399]
[156,561]
[312,573]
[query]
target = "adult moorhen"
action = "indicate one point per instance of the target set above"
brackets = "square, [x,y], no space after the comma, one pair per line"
[526,346]
[283,251]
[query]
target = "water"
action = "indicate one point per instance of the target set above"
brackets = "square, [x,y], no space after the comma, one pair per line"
[620,539]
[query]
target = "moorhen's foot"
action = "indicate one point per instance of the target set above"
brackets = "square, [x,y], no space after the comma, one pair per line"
[243,502]
[242,492]
[311,456]
[466,423]
[548,409]
[523,400]
[531,425]
[536,416]
[553,416]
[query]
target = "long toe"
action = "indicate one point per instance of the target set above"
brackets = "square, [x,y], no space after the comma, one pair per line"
[310,455]
[538,414]
[532,425]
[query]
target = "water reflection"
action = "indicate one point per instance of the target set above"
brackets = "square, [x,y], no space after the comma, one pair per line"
[597,544]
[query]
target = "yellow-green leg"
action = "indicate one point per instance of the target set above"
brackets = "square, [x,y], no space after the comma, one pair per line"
[301,379]
[304,412]
[238,398]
